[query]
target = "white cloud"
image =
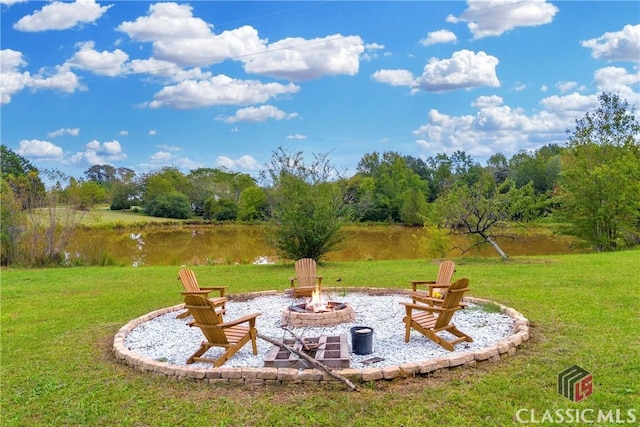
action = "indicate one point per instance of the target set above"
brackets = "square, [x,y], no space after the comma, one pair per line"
[123,133]
[245,162]
[499,128]
[619,80]
[161,157]
[165,147]
[102,63]
[61,16]
[180,38]
[566,86]
[11,2]
[153,132]
[12,81]
[97,153]
[440,36]
[394,77]
[492,18]
[464,70]
[259,114]
[218,90]
[300,59]
[487,101]
[297,136]
[41,150]
[621,45]
[65,131]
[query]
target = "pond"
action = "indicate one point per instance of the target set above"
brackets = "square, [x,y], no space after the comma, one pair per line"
[244,244]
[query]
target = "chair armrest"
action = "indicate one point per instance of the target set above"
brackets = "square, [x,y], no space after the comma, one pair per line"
[243,319]
[416,283]
[220,289]
[200,292]
[428,308]
[425,298]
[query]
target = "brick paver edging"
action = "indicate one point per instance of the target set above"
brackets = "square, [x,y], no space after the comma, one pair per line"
[285,376]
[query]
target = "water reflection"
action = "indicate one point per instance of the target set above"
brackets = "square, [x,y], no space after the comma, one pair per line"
[243,244]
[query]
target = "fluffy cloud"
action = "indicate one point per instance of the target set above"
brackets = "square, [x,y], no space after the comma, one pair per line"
[300,59]
[621,45]
[12,81]
[40,150]
[464,70]
[180,38]
[102,63]
[297,136]
[97,153]
[492,18]
[499,128]
[394,77]
[67,131]
[258,114]
[61,16]
[440,36]
[618,80]
[218,90]
[245,162]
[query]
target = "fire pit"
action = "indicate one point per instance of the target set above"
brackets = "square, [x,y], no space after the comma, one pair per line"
[316,313]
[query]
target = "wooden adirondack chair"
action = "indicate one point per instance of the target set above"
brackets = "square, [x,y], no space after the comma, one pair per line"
[231,336]
[305,281]
[436,288]
[190,284]
[423,318]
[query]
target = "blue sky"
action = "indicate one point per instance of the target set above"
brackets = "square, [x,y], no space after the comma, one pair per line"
[194,84]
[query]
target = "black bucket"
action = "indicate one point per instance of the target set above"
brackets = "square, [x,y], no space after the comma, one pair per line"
[362,339]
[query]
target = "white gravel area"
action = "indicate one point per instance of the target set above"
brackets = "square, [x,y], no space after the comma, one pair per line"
[167,339]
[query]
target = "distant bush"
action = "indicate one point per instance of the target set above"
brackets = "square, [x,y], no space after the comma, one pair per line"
[169,205]
[220,210]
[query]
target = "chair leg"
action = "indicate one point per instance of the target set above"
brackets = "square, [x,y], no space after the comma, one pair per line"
[202,350]
[183,315]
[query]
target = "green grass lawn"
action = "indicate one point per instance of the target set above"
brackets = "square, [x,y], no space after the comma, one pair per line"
[58,326]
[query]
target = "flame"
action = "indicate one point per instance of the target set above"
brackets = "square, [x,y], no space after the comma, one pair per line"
[315,303]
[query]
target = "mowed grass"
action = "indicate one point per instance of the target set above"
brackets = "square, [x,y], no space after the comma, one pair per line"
[58,326]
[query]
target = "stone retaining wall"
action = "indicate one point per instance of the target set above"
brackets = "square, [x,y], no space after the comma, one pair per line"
[285,376]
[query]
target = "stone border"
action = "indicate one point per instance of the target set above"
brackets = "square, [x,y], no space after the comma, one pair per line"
[285,376]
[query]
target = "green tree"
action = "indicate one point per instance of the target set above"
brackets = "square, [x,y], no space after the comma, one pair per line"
[390,189]
[480,209]
[307,208]
[11,223]
[600,184]
[252,204]
[169,205]
[220,210]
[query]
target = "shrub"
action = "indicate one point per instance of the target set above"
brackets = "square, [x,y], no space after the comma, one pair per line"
[169,205]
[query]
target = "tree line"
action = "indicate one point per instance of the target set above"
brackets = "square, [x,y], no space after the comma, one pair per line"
[591,185]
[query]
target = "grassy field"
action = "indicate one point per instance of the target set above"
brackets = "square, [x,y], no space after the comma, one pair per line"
[58,326]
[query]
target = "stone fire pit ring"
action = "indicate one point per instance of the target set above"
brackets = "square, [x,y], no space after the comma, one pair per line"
[264,376]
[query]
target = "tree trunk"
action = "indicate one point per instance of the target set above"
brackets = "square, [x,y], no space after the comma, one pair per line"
[496,247]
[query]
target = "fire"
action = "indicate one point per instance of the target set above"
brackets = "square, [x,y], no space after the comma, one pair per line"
[315,303]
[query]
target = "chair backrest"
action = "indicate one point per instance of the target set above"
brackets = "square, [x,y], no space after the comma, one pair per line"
[306,272]
[445,272]
[188,279]
[451,302]
[206,318]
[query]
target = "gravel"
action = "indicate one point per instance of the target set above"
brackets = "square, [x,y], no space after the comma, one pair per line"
[167,339]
